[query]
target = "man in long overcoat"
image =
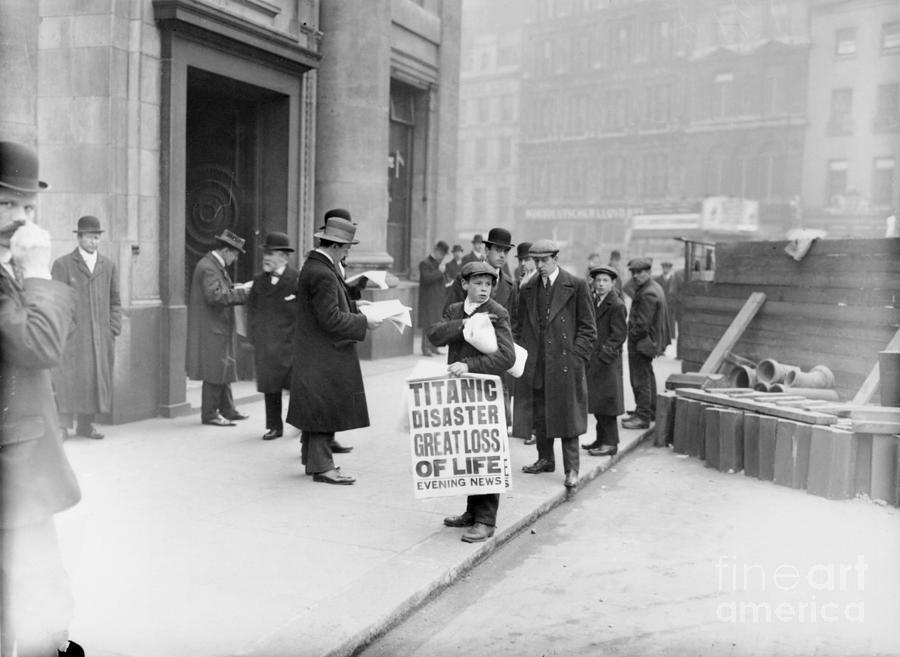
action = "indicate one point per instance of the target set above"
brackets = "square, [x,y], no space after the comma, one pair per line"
[83,381]
[36,480]
[431,292]
[327,391]
[604,370]
[210,347]
[555,323]
[669,285]
[648,337]
[271,320]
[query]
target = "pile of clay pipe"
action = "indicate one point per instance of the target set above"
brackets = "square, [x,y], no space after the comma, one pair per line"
[771,376]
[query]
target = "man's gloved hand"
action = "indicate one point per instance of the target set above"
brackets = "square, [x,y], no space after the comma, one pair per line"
[30,248]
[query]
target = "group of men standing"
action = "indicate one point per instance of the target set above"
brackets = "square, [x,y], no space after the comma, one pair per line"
[573,330]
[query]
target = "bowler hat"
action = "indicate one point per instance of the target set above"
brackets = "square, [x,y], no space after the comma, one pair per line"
[522,250]
[456,249]
[19,168]
[477,268]
[338,228]
[88,224]
[442,246]
[477,238]
[232,240]
[499,237]
[544,248]
[639,264]
[603,269]
[666,265]
[276,241]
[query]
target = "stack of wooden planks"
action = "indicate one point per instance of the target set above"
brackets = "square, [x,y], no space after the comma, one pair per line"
[832,450]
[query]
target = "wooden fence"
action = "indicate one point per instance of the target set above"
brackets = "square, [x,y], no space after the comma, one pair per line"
[838,307]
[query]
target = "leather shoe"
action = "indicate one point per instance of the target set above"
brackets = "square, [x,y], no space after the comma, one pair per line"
[541,465]
[89,432]
[236,416]
[604,450]
[72,650]
[464,520]
[337,448]
[336,478]
[594,445]
[571,479]
[219,422]
[530,441]
[272,434]
[635,423]
[479,532]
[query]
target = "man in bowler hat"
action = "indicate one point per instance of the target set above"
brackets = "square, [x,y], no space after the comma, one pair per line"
[477,253]
[555,323]
[84,379]
[431,292]
[210,347]
[36,480]
[271,319]
[327,391]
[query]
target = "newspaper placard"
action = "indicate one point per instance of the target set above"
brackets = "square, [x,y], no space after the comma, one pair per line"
[458,436]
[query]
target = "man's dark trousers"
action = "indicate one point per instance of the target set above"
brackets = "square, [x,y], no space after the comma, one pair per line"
[571,458]
[483,508]
[643,384]
[273,411]
[216,399]
[315,451]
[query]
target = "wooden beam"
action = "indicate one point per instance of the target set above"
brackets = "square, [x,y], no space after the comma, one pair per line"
[731,336]
[808,417]
[870,385]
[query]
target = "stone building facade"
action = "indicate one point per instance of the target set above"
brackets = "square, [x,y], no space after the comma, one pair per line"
[173,119]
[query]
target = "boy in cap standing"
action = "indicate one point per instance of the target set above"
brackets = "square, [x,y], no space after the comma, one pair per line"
[648,337]
[478,279]
[83,381]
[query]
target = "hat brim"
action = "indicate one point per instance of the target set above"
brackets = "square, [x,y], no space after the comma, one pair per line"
[502,245]
[331,238]
[535,254]
[41,186]
[286,249]
[231,244]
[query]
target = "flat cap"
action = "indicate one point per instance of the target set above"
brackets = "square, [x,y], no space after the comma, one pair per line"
[477,268]
[544,248]
[639,264]
[603,269]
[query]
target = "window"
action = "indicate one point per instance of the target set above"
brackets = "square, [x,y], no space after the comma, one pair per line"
[478,200]
[887,109]
[484,110]
[504,152]
[660,39]
[614,175]
[504,208]
[836,184]
[845,42]
[507,56]
[727,24]
[508,107]
[883,181]
[480,153]
[620,43]
[722,95]
[774,91]
[890,37]
[655,174]
[840,119]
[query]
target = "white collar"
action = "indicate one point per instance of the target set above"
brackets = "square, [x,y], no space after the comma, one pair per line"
[215,254]
[326,254]
[278,273]
[469,307]
[89,258]
[552,277]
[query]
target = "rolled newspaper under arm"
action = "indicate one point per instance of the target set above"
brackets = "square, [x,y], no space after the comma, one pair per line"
[479,332]
[518,367]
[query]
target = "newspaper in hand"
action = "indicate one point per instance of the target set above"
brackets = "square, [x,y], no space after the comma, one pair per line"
[391,310]
[379,277]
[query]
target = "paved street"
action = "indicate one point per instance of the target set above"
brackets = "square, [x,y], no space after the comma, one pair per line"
[197,541]
[661,556]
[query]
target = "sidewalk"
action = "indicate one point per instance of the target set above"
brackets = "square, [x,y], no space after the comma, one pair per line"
[198,541]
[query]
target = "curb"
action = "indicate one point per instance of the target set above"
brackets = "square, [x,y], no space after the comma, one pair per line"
[361,640]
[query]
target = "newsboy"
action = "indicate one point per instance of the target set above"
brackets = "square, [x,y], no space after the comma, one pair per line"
[83,381]
[271,318]
[210,347]
[555,323]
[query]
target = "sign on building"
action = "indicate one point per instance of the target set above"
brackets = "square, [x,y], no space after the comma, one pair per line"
[724,214]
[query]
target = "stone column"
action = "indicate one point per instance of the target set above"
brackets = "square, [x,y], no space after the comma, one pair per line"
[353,121]
[18,85]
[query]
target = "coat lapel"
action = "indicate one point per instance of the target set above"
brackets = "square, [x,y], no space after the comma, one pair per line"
[562,291]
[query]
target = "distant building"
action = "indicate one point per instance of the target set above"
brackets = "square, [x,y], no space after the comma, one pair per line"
[850,179]
[489,101]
